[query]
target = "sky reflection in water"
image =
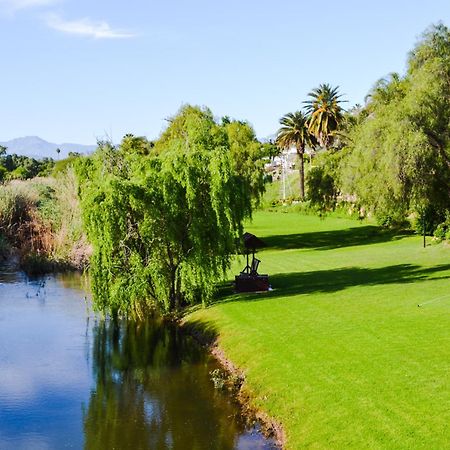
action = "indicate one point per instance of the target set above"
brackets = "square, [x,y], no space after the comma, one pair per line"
[70,380]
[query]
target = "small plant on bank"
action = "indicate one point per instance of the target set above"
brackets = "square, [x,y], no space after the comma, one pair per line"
[224,380]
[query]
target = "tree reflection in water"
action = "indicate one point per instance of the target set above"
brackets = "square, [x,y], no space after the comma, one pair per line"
[153,392]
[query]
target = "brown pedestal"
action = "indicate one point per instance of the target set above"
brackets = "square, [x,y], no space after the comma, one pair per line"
[251,283]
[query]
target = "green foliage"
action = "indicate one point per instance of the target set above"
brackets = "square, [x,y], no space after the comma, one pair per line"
[442,231]
[323,179]
[427,219]
[400,159]
[3,173]
[19,173]
[61,166]
[246,154]
[322,190]
[269,150]
[18,167]
[164,223]
[325,113]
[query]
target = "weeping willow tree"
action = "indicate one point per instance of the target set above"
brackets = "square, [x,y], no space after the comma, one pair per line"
[400,161]
[164,220]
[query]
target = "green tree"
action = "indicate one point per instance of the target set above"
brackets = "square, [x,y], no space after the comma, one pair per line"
[325,113]
[246,153]
[323,179]
[165,225]
[384,91]
[294,132]
[269,150]
[400,160]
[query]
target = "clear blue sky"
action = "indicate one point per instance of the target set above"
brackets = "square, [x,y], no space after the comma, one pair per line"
[75,70]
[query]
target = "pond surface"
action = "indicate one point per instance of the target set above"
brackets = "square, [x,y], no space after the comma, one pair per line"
[71,380]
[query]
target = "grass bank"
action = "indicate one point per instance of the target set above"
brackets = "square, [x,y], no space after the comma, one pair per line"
[339,352]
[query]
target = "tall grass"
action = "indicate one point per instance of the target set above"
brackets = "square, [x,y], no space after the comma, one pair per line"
[20,221]
[70,241]
[41,220]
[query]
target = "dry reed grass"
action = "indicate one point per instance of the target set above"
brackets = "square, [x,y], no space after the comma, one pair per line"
[41,219]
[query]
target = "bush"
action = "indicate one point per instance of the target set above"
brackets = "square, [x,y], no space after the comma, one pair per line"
[432,217]
[442,231]
[3,173]
[21,173]
[391,220]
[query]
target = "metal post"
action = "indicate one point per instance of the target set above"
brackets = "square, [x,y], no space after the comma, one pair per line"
[423,229]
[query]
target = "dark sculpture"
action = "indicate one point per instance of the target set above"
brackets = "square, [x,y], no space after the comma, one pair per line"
[249,280]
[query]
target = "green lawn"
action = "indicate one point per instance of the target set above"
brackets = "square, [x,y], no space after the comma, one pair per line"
[339,352]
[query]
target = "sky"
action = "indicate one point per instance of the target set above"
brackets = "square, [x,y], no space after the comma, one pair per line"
[82,70]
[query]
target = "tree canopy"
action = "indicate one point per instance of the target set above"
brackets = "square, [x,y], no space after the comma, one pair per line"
[164,222]
[325,113]
[400,159]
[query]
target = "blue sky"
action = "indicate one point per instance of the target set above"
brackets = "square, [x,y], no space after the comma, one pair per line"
[78,70]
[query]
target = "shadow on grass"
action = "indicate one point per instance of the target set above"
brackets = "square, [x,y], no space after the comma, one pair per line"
[204,332]
[327,240]
[333,280]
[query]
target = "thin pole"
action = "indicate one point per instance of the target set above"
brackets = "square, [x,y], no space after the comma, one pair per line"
[423,228]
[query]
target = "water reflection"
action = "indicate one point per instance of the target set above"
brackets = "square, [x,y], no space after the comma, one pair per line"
[71,380]
[153,392]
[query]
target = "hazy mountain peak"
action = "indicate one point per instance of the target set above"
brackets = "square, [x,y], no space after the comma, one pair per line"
[36,147]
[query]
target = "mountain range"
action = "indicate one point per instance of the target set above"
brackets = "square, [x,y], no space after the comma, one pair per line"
[36,147]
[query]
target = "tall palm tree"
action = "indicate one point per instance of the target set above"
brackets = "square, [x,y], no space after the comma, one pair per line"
[294,133]
[325,113]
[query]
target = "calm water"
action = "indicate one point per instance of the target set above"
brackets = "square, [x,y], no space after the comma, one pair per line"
[71,380]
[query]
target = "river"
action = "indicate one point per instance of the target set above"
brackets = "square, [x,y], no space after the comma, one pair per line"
[69,379]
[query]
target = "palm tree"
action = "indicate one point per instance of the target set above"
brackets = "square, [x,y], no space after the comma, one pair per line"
[325,113]
[294,133]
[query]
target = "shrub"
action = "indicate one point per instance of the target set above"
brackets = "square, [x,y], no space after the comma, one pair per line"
[431,217]
[442,231]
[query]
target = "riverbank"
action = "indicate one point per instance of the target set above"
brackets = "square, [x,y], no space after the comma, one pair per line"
[232,378]
[339,353]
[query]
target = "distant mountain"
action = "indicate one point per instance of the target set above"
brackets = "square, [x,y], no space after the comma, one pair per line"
[35,147]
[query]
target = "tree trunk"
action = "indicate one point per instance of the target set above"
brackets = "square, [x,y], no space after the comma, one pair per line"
[301,171]
[175,296]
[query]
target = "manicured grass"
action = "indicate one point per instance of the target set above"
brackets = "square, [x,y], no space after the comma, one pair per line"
[339,352]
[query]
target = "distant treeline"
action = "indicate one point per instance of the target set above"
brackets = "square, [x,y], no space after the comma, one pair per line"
[19,167]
